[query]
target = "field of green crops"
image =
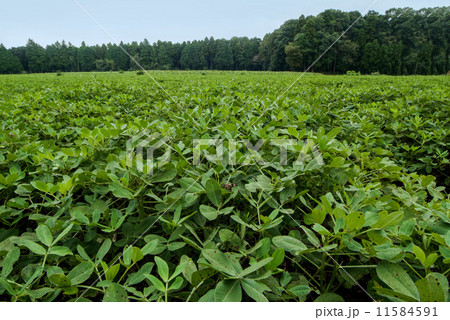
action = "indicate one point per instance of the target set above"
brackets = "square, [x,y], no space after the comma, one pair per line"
[336,192]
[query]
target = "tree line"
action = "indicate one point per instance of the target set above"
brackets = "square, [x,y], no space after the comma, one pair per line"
[401,41]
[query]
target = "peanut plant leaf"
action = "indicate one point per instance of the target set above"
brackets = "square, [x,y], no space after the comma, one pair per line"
[60,251]
[81,273]
[104,248]
[433,288]
[34,247]
[397,279]
[163,269]
[44,234]
[219,261]
[289,244]
[214,192]
[254,267]
[209,212]
[176,284]
[255,290]
[228,291]
[9,261]
[156,282]
[60,280]
[277,259]
[300,291]
[115,293]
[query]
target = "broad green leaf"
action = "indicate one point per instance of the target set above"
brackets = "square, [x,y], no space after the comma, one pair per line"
[277,259]
[219,261]
[312,238]
[254,267]
[387,220]
[191,185]
[337,162]
[179,269]
[41,186]
[83,253]
[81,273]
[214,192]
[300,291]
[174,246]
[190,268]
[351,243]
[149,247]
[432,257]
[389,254]
[228,291]
[420,255]
[44,234]
[393,295]
[60,251]
[293,132]
[34,247]
[115,293]
[208,212]
[79,215]
[254,290]
[165,176]
[126,256]
[208,297]
[333,133]
[176,284]
[355,220]
[60,280]
[9,261]
[163,269]
[104,248]
[156,282]
[431,288]
[5,284]
[397,279]
[139,276]
[39,293]
[111,272]
[289,244]
[63,234]
[120,192]
[136,254]
[229,236]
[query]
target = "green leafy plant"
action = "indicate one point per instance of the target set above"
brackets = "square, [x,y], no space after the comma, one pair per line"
[339,182]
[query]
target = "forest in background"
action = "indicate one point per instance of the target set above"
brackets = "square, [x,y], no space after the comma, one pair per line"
[399,42]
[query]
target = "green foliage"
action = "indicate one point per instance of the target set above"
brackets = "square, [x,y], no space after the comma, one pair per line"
[401,41]
[369,191]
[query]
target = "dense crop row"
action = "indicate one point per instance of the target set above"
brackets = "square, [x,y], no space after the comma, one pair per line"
[347,183]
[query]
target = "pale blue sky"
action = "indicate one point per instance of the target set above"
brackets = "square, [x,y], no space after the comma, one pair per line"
[47,21]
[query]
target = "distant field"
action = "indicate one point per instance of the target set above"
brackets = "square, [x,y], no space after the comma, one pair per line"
[341,169]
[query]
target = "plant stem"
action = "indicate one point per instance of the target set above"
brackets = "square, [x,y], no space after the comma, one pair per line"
[193,290]
[123,275]
[418,274]
[304,270]
[167,289]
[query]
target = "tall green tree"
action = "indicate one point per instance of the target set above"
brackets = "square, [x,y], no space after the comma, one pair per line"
[86,56]
[8,62]
[223,60]
[35,56]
